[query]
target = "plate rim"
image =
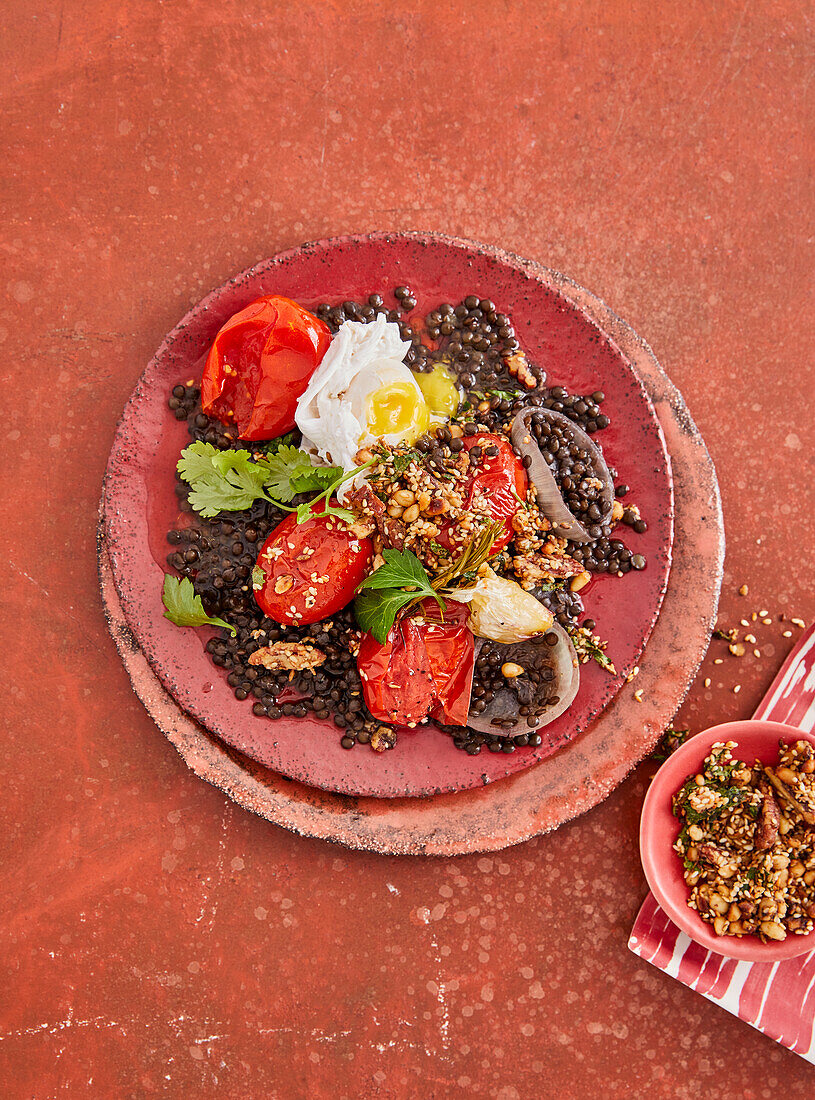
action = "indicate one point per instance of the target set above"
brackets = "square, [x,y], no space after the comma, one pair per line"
[384,825]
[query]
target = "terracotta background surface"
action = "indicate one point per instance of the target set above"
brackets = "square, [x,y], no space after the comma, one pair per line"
[155,939]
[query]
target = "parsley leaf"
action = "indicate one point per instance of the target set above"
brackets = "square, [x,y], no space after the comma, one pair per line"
[400,581]
[183,607]
[402,568]
[376,611]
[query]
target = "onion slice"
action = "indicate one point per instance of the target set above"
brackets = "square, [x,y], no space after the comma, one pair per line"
[533,654]
[550,499]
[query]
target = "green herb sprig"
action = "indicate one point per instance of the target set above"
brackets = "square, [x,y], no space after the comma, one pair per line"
[403,581]
[231,481]
[184,608]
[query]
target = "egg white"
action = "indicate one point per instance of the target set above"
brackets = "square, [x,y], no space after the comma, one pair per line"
[332,413]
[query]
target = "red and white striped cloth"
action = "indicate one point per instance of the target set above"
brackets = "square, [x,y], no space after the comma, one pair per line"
[777,998]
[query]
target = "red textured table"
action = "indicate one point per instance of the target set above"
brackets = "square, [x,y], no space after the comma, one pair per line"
[154,938]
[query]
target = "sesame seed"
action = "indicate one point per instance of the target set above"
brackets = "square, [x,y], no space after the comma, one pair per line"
[707,681]
[737,689]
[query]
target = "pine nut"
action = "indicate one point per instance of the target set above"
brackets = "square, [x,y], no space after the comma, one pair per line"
[580,581]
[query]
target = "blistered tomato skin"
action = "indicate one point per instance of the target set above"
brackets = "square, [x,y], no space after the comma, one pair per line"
[260,364]
[501,479]
[310,570]
[424,669]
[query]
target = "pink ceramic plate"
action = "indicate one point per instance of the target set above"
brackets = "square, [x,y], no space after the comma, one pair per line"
[535,800]
[558,334]
[659,829]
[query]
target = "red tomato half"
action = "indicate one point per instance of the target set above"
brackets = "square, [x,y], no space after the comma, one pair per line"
[311,569]
[424,669]
[501,479]
[260,364]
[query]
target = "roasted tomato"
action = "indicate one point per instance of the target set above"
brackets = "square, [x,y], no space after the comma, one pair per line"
[310,570]
[424,669]
[260,364]
[500,479]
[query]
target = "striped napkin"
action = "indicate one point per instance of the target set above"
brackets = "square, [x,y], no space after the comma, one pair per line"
[777,998]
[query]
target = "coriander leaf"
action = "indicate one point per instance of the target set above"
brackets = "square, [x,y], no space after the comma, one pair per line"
[209,496]
[196,461]
[376,611]
[308,511]
[220,481]
[258,578]
[183,607]
[291,471]
[240,471]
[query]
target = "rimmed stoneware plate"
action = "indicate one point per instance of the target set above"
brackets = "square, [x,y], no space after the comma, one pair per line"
[557,333]
[536,800]
[755,740]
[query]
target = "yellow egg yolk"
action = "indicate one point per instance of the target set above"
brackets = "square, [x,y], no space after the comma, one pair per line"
[439,390]
[396,409]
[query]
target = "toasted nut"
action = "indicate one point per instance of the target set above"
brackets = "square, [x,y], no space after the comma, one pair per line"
[362,456]
[718,904]
[808,767]
[720,924]
[423,499]
[692,853]
[580,581]
[437,506]
[383,738]
[786,775]
[455,430]
[780,862]
[737,649]
[809,878]
[773,930]
[743,590]
[411,513]
[617,511]
[733,913]
[404,497]
[395,511]
[695,833]
[511,670]
[284,583]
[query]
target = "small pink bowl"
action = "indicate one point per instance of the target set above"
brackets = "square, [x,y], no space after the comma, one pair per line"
[659,829]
